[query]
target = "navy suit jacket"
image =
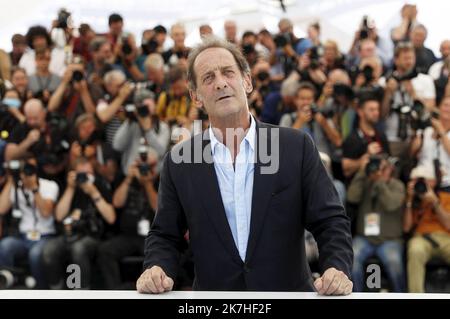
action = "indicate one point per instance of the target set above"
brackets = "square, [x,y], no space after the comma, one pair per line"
[299,195]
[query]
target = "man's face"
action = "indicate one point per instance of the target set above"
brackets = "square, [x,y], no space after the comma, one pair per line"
[39,43]
[370,112]
[35,118]
[304,98]
[85,129]
[179,88]
[445,49]
[406,60]
[116,28]
[178,36]
[418,36]
[19,48]
[367,49]
[230,30]
[221,87]
[104,54]
[19,80]
[43,61]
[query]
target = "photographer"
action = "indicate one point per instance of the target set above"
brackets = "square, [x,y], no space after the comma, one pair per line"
[43,83]
[409,19]
[286,42]
[155,75]
[173,105]
[366,140]
[39,39]
[263,86]
[311,68]
[89,144]
[19,80]
[337,95]
[432,145]
[379,198]
[84,208]
[73,95]
[427,220]
[142,123]
[278,103]
[332,57]
[137,198]
[45,136]
[31,200]
[177,55]
[312,120]
[406,90]
[101,62]
[117,92]
[424,56]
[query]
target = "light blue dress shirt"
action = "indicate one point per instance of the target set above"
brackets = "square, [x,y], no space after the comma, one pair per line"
[236,184]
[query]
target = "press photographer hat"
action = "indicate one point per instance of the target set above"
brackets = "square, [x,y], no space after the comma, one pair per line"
[423,171]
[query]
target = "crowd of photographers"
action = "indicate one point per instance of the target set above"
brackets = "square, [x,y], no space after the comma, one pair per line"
[85,121]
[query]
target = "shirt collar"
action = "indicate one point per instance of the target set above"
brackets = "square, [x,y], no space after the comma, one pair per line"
[250,137]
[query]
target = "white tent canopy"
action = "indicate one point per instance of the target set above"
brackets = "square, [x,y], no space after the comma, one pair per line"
[339,19]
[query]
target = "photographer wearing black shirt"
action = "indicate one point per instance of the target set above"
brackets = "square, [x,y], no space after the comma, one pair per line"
[43,135]
[83,209]
[137,198]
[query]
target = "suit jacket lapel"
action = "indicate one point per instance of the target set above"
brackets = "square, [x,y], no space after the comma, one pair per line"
[263,185]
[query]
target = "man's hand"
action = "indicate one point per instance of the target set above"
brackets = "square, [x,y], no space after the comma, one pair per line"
[374,148]
[30,182]
[155,281]
[333,282]
[71,179]
[33,136]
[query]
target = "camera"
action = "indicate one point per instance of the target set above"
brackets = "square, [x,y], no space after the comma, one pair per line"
[77,76]
[149,46]
[367,72]
[327,113]
[29,169]
[144,167]
[263,75]
[81,178]
[314,56]
[127,49]
[248,49]
[373,166]
[63,19]
[364,31]
[340,89]
[420,187]
[282,39]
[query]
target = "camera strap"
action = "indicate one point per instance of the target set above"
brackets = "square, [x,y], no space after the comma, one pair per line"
[437,165]
[31,205]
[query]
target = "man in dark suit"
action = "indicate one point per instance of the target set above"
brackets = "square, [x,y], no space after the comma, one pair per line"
[245,191]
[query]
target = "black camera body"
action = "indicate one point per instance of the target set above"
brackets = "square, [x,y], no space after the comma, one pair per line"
[62,20]
[314,56]
[77,76]
[127,49]
[282,39]
[327,113]
[373,165]
[81,178]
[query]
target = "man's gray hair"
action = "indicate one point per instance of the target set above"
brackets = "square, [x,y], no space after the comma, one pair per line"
[214,42]
[289,87]
[114,75]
